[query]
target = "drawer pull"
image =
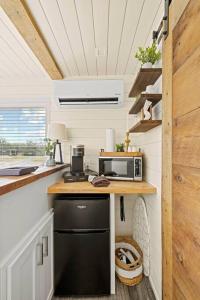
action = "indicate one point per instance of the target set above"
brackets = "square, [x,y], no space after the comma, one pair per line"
[39,254]
[45,245]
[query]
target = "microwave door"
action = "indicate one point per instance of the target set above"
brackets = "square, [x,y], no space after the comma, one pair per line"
[117,168]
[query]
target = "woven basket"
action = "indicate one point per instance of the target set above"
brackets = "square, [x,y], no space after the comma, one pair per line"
[129,274]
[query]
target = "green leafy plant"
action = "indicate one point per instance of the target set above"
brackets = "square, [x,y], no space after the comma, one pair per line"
[148,55]
[49,146]
[119,147]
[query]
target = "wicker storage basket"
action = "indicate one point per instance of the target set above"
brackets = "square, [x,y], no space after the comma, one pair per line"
[128,274]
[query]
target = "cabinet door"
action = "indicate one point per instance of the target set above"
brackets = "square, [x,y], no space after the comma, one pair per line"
[46,270]
[22,275]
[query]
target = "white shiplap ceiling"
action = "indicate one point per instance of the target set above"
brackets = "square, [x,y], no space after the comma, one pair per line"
[86,37]
[16,59]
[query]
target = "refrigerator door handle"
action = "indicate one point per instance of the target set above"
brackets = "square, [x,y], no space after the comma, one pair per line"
[81,231]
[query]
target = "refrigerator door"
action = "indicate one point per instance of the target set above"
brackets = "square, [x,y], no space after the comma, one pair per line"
[82,263]
[81,212]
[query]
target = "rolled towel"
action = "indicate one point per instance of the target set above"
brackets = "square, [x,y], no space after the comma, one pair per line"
[100,181]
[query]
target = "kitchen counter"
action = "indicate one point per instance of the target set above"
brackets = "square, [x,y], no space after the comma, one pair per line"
[115,187]
[10,183]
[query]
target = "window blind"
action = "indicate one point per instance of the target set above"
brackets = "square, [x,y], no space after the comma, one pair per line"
[22,131]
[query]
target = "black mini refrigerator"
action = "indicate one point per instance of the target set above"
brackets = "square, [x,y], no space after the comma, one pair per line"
[82,244]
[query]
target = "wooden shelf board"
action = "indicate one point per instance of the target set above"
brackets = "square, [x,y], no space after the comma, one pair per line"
[145,125]
[140,101]
[145,77]
[120,154]
[115,187]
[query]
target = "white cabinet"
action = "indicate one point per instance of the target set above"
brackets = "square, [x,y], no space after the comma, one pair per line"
[28,274]
[46,268]
[21,274]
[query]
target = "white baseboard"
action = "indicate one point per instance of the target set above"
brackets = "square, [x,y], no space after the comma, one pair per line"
[154,289]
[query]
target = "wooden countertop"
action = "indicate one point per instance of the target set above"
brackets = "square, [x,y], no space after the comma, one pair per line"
[10,183]
[115,187]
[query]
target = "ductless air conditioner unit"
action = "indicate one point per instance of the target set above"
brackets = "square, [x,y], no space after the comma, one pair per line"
[88,93]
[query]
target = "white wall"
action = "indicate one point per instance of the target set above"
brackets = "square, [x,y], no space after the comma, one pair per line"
[151,144]
[21,209]
[87,126]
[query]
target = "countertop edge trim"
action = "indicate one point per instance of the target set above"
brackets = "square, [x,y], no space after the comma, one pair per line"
[11,186]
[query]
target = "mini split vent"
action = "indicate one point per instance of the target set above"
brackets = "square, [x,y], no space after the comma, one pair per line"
[88,101]
[88,93]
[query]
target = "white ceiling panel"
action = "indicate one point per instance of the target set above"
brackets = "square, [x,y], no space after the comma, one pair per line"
[85,37]
[71,24]
[148,41]
[40,17]
[117,16]
[132,20]
[101,22]
[17,60]
[86,23]
[148,15]
[55,20]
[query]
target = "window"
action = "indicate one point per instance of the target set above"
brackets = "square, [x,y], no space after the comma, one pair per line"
[22,133]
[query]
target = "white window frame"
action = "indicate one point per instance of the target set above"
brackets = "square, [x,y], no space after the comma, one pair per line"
[39,102]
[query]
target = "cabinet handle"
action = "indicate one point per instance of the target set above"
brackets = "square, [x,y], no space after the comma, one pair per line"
[45,245]
[39,254]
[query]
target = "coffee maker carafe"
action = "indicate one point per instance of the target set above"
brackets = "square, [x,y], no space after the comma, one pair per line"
[76,172]
[77,168]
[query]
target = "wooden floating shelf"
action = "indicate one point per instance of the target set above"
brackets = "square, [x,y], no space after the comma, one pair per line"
[120,154]
[140,101]
[145,77]
[145,125]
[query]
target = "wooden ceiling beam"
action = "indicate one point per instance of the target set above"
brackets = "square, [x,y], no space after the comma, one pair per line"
[20,16]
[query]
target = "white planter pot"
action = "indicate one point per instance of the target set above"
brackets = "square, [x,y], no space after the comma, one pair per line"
[150,89]
[158,64]
[147,65]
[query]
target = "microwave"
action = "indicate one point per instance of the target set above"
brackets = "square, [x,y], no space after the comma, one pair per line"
[121,168]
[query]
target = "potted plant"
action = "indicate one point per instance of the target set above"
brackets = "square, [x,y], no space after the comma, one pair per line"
[119,147]
[49,147]
[148,56]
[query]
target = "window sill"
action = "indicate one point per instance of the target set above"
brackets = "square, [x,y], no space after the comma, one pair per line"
[11,183]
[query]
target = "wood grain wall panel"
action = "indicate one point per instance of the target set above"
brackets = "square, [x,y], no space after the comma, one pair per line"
[186,147]
[178,293]
[186,31]
[167,166]
[186,139]
[186,188]
[186,84]
[178,7]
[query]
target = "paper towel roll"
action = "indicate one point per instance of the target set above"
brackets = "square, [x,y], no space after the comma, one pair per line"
[110,140]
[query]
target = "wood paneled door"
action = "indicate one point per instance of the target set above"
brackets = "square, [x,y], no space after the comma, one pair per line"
[181,150]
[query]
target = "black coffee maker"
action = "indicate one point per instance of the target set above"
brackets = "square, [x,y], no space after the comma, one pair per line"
[77,172]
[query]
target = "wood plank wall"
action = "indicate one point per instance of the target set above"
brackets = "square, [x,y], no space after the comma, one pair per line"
[186,150]
[167,165]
